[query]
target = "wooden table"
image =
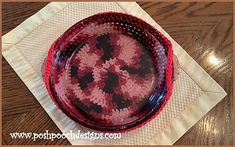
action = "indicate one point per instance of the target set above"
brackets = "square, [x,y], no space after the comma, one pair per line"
[200,28]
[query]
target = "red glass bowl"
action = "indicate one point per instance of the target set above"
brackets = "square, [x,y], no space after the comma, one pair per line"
[110,72]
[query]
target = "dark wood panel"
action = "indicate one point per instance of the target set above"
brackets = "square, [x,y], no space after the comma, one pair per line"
[204,30]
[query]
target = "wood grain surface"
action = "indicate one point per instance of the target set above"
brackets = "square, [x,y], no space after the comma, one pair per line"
[204,30]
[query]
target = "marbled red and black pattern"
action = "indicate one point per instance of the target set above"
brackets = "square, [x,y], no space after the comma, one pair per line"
[114,73]
[108,72]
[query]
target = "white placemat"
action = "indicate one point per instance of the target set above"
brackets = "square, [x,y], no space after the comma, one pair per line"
[26,46]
